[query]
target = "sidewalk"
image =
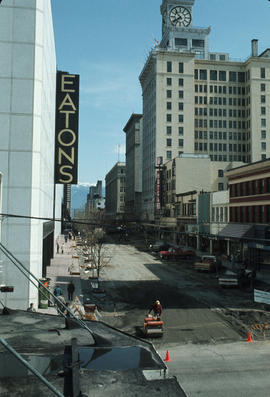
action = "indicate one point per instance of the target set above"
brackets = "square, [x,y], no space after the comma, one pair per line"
[59,273]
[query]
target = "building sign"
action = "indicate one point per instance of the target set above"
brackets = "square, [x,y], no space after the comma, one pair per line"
[261,296]
[66,128]
[158,183]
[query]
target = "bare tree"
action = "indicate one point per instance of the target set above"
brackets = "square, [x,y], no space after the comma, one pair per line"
[94,240]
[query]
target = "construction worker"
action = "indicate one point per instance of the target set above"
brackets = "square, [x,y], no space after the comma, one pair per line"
[156,308]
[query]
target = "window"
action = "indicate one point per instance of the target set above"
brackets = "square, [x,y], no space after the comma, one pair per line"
[169,105]
[181,94]
[222,57]
[262,73]
[180,42]
[169,154]
[232,76]
[169,118]
[169,81]
[222,75]
[180,82]
[180,142]
[213,57]
[181,106]
[169,67]
[241,77]
[221,214]
[263,134]
[181,67]
[263,145]
[203,74]
[220,186]
[213,214]
[262,98]
[213,75]
[263,122]
[198,43]
[181,118]
[263,110]
[169,93]
[262,87]
[196,74]
[217,214]
[169,142]
[181,130]
[220,173]
[169,130]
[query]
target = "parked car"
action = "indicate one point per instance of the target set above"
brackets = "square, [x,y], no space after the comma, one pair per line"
[206,264]
[176,253]
[243,277]
[159,245]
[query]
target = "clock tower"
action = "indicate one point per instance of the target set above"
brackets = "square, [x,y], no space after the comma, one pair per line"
[178,32]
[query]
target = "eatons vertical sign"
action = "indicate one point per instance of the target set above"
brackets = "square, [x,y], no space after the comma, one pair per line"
[66,129]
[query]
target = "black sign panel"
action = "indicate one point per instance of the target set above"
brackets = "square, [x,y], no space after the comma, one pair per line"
[66,130]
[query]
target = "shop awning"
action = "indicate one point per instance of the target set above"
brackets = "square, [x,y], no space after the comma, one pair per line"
[236,230]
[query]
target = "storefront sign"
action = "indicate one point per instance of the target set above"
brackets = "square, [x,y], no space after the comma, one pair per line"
[158,183]
[261,296]
[66,131]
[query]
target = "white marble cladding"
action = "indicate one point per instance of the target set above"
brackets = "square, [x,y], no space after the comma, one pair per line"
[27,119]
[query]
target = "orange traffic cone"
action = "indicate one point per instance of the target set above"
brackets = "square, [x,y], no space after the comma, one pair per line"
[167,358]
[249,339]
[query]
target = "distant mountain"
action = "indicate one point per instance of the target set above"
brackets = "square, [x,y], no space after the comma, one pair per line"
[79,195]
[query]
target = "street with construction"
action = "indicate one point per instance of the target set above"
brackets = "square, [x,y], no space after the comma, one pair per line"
[215,340]
[206,327]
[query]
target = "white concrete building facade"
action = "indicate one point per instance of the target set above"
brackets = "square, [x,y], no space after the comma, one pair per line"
[27,118]
[220,214]
[196,101]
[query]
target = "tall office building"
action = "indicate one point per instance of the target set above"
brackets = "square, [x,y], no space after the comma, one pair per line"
[27,119]
[115,192]
[202,102]
[133,193]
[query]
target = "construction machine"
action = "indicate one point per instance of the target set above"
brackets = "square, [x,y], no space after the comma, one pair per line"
[153,326]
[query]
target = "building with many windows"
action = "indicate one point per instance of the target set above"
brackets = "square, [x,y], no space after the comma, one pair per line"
[249,230]
[133,131]
[196,101]
[115,192]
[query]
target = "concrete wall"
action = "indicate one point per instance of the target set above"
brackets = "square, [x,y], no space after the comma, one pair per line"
[192,174]
[27,117]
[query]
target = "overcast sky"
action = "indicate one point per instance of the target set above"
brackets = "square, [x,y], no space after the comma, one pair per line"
[107,43]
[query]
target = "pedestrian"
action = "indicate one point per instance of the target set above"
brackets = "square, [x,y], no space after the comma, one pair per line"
[71,289]
[62,248]
[57,291]
[156,308]
[61,305]
[31,308]
[66,238]
[57,247]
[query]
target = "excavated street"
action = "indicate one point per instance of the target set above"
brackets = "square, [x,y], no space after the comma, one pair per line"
[196,309]
[206,327]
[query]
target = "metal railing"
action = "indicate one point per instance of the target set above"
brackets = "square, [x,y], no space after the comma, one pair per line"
[63,310]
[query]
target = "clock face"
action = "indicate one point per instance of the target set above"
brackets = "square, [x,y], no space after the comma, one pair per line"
[180,16]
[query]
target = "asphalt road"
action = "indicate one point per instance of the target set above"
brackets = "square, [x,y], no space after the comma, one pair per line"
[136,279]
[209,356]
